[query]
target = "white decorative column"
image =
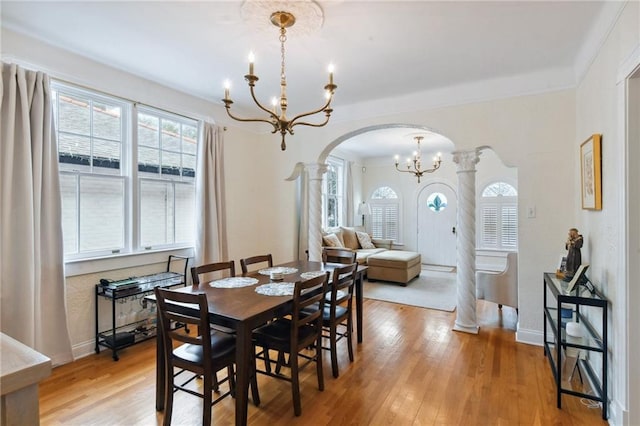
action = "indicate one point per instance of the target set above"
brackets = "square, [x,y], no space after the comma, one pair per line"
[315,172]
[466,240]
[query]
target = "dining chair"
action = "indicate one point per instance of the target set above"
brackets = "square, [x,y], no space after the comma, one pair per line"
[338,255]
[244,263]
[202,354]
[198,271]
[297,335]
[337,313]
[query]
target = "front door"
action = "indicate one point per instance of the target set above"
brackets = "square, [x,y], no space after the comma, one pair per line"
[437,204]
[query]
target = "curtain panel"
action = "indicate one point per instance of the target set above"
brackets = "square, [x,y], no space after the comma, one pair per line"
[32,282]
[211,221]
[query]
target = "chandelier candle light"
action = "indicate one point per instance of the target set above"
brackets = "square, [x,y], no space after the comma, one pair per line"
[417,162]
[280,122]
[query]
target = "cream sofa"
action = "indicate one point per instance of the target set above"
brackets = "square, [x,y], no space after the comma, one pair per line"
[384,264]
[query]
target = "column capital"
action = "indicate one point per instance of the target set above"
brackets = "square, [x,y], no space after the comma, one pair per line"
[316,170]
[467,160]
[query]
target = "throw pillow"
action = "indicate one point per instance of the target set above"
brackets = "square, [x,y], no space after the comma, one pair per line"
[331,240]
[350,239]
[365,240]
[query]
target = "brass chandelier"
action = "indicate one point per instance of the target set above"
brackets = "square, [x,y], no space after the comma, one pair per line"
[280,122]
[416,162]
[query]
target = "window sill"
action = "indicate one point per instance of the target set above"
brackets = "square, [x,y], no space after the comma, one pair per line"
[121,261]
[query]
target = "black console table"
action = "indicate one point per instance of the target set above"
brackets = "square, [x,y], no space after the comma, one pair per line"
[559,310]
[119,336]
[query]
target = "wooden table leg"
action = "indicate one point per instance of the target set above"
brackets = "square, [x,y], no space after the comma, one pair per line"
[243,369]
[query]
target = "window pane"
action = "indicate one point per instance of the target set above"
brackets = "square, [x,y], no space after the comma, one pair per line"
[170,135]
[107,121]
[106,156]
[156,213]
[101,213]
[499,188]
[189,139]
[69,196]
[148,131]
[148,160]
[384,192]
[170,163]
[74,152]
[189,166]
[509,227]
[74,115]
[185,213]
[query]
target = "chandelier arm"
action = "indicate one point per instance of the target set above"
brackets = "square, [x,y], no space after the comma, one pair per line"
[306,114]
[267,110]
[248,119]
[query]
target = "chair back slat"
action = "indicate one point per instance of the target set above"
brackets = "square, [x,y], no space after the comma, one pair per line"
[198,271]
[308,293]
[171,310]
[244,263]
[343,282]
[338,255]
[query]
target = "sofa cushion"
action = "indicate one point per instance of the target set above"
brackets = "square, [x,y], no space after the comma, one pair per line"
[332,240]
[365,240]
[350,239]
[363,254]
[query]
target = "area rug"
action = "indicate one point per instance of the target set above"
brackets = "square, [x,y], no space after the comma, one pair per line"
[432,289]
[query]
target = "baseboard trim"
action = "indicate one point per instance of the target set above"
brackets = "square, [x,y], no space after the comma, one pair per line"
[529,337]
[83,349]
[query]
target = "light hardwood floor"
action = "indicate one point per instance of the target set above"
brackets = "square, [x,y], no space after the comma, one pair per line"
[411,369]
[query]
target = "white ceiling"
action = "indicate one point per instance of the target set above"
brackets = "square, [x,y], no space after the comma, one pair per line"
[381,49]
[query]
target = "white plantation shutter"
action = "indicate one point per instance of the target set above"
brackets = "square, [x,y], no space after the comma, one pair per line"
[377,220]
[385,221]
[498,217]
[509,228]
[489,230]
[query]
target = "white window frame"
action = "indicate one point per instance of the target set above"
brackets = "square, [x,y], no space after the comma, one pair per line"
[386,204]
[339,165]
[499,204]
[129,173]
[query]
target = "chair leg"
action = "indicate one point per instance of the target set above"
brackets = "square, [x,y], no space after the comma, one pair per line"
[254,383]
[267,361]
[348,335]
[295,385]
[168,397]
[232,380]
[333,343]
[499,306]
[281,361]
[319,371]
[206,403]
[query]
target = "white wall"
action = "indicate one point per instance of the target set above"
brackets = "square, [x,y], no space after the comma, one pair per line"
[597,111]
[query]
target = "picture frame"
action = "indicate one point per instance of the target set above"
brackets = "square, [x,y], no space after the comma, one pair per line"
[591,173]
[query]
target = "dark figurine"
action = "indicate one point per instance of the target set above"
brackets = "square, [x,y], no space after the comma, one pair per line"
[574,257]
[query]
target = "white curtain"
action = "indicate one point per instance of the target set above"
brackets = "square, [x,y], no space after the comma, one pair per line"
[349,193]
[211,222]
[32,285]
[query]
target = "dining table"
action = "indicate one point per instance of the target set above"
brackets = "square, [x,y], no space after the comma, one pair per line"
[243,309]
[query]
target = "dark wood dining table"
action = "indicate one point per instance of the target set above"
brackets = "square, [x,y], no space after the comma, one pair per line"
[243,310]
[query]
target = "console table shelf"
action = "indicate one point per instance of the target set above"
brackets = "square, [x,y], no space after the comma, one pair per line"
[559,310]
[120,336]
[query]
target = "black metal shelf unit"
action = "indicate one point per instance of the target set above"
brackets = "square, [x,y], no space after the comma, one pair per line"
[120,336]
[559,310]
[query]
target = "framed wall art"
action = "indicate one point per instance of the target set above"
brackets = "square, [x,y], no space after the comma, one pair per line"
[591,173]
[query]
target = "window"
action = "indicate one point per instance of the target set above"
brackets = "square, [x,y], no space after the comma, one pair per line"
[499,217]
[101,188]
[385,214]
[332,193]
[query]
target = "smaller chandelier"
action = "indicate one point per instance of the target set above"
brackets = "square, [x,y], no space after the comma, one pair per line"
[417,162]
[280,122]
